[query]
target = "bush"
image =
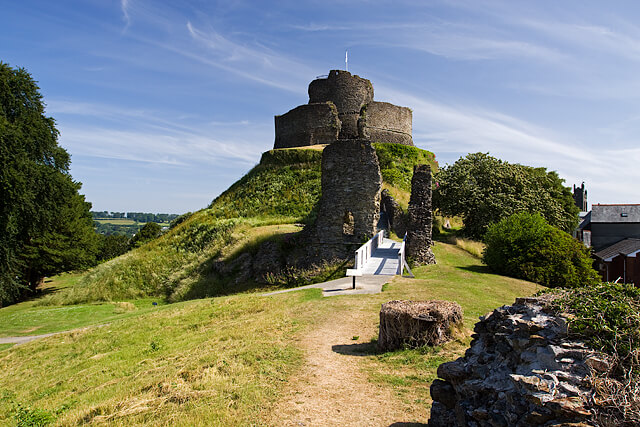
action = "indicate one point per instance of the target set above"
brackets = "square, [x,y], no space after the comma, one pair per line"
[525,246]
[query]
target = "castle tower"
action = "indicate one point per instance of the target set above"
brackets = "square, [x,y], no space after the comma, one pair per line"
[580,197]
[341,107]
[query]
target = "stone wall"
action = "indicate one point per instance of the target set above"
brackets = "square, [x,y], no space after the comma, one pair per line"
[420,215]
[389,123]
[394,212]
[348,92]
[352,97]
[349,208]
[522,369]
[306,125]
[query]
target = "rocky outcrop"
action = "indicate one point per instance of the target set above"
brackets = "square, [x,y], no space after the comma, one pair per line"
[419,227]
[522,369]
[417,323]
[393,212]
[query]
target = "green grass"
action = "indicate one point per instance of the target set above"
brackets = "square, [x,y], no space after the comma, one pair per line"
[206,362]
[225,360]
[397,162]
[458,276]
[18,320]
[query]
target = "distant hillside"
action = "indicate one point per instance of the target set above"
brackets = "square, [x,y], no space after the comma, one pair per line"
[202,254]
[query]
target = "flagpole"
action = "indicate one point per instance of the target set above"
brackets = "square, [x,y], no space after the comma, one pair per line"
[346,60]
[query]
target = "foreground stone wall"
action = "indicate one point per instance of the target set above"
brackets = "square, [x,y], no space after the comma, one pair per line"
[420,214]
[350,204]
[522,369]
[306,125]
[389,123]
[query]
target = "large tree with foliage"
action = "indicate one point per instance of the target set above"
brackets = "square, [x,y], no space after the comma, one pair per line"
[45,224]
[525,246]
[483,190]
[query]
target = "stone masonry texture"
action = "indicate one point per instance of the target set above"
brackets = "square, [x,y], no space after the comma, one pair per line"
[420,217]
[351,184]
[306,125]
[350,101]
[522,369]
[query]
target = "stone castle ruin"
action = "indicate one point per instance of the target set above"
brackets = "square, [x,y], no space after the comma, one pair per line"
[341,107]
[342,113]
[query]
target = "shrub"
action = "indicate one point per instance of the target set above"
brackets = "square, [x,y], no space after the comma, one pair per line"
[525,246]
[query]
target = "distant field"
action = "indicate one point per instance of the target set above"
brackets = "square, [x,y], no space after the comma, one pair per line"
[116,221]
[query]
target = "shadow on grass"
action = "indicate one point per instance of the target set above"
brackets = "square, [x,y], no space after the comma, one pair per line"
[401,424]
[362,349]
[483,269]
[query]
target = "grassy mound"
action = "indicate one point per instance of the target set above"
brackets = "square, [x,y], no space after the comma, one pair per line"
[281,190]
[226,360]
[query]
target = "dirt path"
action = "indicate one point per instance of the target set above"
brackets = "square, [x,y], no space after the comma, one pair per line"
[332,389]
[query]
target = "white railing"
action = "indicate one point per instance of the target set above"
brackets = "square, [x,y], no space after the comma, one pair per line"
[365,251]
[402,263]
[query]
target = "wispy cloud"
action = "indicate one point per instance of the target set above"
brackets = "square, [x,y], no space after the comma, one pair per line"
[257,63]
[124,6]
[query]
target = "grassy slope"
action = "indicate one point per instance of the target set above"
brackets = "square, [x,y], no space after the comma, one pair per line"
[223,361]
[282,189]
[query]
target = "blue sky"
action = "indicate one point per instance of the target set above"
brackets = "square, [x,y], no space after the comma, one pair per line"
[163,105]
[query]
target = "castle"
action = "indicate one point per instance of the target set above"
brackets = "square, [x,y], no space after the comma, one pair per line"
[341,107]
[342,114]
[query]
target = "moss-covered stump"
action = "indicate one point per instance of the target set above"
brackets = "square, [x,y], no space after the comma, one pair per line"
[417,323]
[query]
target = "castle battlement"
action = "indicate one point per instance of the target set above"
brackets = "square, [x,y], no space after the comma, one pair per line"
[341,106]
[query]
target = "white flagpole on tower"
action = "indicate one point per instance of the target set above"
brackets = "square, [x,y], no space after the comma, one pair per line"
[346,60]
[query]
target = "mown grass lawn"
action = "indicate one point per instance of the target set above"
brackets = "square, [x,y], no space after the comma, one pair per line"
[225,360]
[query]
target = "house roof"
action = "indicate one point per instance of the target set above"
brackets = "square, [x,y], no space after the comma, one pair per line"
[615,213]
[626,247]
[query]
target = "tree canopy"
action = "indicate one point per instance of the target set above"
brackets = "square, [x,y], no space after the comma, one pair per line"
[45,224]
[525,246]
[483,190]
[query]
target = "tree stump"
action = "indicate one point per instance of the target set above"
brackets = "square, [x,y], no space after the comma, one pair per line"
[417,323]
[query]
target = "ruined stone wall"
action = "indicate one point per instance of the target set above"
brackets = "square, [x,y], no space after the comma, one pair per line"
[522,369]
[420,214]
[350,204]
[394,212]
[389,123]
[348,92]
[306,125]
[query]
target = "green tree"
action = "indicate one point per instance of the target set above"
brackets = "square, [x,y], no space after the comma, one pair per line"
[483,190]
[148,232]
[113,245]
[525,246]
[45,225]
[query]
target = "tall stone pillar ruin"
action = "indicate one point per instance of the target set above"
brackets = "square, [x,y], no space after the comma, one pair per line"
[350,203]
[420,217]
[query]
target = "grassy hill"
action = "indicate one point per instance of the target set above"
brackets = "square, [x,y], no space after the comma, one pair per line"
[184,263]
[227,360]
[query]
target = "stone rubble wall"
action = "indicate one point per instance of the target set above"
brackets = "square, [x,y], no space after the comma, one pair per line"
[351,184]
[389,123]
[306,125]
[521,369]
[419,227]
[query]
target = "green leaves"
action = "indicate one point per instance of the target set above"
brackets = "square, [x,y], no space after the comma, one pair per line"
[525,246]
[45,225]
[484,190]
